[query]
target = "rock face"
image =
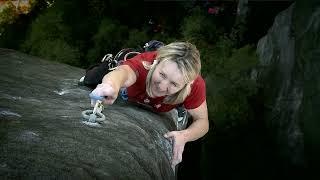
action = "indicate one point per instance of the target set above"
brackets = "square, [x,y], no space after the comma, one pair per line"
[290,78]
[42,134]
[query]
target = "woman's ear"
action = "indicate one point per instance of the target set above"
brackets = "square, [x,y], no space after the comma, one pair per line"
[155,62]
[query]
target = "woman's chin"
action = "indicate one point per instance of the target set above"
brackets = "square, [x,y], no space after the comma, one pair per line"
[156,94]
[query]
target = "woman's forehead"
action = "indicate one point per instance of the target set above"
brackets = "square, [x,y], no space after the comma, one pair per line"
[169,65]
[172,70]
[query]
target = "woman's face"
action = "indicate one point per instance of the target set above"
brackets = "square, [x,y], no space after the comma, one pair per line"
[167,79]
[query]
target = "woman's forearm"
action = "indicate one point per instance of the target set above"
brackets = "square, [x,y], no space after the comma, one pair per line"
[196,130]
[120,77]
[200,124]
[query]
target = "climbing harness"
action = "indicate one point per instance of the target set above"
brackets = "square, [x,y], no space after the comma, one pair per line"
[119,58]
[95,115]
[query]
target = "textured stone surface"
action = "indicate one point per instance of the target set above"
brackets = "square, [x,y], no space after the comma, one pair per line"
[290,77]
[42,134]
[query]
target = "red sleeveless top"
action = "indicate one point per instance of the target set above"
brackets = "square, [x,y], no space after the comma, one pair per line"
[137,91]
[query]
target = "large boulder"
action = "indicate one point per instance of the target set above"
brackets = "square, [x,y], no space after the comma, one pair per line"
[290,79]
[43,135]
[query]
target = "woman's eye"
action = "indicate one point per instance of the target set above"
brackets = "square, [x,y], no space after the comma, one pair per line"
[174,84]
[163,75]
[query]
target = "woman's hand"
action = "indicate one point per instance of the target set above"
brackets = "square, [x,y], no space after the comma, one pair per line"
[179,141]
[122,76]
[107,90]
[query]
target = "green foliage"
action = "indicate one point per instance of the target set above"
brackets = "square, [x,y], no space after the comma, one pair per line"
[47,30]
[129,12]
[213,56]
[224,48]
[67,21]
[75,15]
[48,26]
[231,86]
[136,38]
[238,32]
[191,26]
[8,13]
[198,27]
[164,37]
[59,50]
[14,22]
[11,35]
[109,38]
[227,73]
[96,8]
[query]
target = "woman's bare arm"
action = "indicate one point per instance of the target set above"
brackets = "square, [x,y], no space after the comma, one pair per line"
[200,125]
[123,76]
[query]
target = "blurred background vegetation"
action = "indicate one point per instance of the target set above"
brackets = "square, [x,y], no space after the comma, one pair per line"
[81,32]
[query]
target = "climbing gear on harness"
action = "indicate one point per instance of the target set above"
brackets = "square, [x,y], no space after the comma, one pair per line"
[120,57]
[95,115]
[153,45]
[111,62]
[124,94]
[182,119]
[95,73]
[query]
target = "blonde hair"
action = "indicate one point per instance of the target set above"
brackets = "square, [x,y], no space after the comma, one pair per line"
[187,57]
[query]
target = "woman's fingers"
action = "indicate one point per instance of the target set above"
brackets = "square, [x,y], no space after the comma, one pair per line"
[178,147]
[105,90]
[175,159]
[177,155]
[109,100]
[169,135]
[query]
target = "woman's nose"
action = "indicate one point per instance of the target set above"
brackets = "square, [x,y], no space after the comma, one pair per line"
[163,86]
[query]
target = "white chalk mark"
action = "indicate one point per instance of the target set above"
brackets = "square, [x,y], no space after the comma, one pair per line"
[62,92]
[29,136]
[4,112]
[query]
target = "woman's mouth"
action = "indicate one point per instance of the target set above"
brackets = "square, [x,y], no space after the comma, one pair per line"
[157,91]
